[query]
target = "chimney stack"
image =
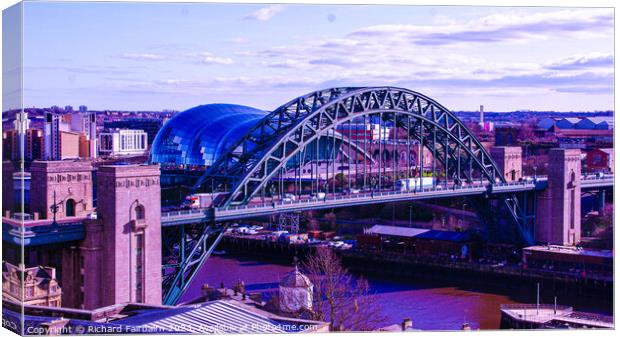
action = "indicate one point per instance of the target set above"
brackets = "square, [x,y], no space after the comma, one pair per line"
[481,114]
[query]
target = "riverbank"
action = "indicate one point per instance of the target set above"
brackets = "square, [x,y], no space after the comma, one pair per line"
[583,294]
[416,297]
[399,265]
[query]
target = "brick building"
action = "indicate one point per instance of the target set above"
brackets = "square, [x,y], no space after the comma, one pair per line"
[600,160]
[40,286]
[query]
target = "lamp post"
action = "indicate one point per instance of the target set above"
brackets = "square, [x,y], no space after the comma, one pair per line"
[54,209]
[462,216]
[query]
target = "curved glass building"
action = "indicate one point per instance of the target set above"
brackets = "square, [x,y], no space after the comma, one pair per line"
[198,136]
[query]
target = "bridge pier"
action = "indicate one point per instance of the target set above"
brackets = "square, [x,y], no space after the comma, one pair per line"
[559,206]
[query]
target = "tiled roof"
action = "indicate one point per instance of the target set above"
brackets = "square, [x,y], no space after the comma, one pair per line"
[210,318]
[598,120]
[295,279]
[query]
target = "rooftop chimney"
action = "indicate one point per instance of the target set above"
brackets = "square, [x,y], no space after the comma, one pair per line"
[481,114]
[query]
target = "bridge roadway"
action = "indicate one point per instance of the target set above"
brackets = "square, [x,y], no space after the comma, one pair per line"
[174,218]
[331,200]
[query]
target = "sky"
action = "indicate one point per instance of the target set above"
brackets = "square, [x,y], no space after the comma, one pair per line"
[150,56]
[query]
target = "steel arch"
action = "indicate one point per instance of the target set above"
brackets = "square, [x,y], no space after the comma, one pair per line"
[256,158]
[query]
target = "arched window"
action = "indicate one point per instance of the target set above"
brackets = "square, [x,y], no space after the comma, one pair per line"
[139,212]
[70,207]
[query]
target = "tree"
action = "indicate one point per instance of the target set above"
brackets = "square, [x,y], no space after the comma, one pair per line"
[339,298]
[526,133]
[595,225]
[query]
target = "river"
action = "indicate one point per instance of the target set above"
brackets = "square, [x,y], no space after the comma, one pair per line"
[431,305]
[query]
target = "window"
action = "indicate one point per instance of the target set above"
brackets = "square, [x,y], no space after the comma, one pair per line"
[70,207]
[139,212]
[138,268]
[29,291]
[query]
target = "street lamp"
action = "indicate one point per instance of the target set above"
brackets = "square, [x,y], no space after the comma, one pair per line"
[462,216]
[54,209]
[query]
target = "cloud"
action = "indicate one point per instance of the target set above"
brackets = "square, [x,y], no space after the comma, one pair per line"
[592,60]
[362,61]
[265,13]
[209,58]
[392,55]
[142,56]
[462,64]
[216,60]
[515,27]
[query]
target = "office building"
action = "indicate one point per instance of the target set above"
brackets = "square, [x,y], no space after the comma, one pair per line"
[122,142]
[149,125]
[70,136]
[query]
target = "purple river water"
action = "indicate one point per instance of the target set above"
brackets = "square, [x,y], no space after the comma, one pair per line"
[430,305]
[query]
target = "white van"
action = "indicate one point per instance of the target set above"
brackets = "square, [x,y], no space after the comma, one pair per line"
[289,197]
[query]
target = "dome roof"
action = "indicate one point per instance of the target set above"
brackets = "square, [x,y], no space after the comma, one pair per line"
[198,136]
[295,279]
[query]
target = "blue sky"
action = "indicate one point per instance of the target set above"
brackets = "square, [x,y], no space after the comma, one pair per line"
[141,56]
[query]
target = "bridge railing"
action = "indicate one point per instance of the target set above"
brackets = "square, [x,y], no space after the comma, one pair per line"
[605,177]
[183,212]
[351,196]
[378,194]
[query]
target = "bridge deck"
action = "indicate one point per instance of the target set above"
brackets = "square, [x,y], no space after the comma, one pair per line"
[42,231]
[174,218]
[331,201]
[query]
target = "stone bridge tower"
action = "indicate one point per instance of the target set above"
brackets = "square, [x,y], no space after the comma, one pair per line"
[509,161]
[558,218]
[122,249]
[69,182]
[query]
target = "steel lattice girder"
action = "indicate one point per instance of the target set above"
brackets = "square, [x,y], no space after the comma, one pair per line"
[252,162]
[190,257]
[284,132]
[288,129]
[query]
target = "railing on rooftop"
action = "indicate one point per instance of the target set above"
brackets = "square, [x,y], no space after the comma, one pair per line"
[534,306]
[587,316]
